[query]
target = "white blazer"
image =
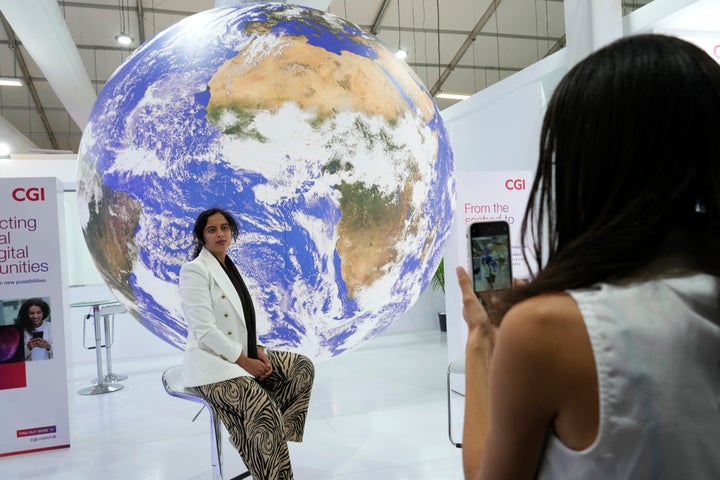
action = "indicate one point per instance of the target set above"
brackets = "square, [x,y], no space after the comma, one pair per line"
[217,333]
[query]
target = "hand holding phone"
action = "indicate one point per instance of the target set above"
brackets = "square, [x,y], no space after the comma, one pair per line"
[476,317]
[490,262]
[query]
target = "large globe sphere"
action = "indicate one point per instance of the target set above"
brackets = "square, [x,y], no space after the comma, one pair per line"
[329,152]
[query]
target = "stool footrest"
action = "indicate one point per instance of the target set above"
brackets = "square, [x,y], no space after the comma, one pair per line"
[241,476]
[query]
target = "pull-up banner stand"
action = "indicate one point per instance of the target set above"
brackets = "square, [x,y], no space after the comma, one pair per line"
[33,286]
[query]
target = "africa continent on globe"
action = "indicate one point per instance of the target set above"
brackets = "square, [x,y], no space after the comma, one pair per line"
[328,151]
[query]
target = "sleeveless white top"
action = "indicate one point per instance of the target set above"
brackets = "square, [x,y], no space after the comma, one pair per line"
[657,351]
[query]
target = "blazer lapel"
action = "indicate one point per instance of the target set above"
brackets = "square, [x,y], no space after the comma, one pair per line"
[223,281]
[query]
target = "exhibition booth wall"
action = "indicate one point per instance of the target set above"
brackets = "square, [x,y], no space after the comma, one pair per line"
[497,129]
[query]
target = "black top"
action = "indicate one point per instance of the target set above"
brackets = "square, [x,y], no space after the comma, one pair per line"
[247,304]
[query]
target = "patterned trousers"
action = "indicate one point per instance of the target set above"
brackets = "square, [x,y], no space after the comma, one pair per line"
[262,416]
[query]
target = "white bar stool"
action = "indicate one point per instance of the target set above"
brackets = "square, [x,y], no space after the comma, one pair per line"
[103,383]
[172,381]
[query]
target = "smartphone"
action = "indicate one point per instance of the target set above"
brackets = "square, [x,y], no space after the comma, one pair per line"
[490,256]
[37,334]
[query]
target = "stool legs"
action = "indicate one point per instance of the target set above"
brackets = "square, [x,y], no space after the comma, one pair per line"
[102,386]
[215,444]
[110,376]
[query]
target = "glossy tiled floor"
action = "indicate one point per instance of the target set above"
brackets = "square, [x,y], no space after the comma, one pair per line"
[378,413]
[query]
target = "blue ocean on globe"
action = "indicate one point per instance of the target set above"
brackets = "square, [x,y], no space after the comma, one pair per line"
[329,152]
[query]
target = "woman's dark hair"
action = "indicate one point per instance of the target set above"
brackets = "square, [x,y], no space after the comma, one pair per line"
[201,222]
[23,318]
[629,153]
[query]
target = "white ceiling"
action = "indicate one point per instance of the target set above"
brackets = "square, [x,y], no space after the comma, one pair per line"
[70,50]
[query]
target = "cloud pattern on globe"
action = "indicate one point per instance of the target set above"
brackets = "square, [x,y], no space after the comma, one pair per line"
[330,153]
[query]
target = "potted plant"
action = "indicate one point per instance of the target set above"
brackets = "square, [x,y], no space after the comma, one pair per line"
[438,283]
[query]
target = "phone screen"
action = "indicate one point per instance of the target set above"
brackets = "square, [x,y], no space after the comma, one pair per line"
[491,256]
[37,334]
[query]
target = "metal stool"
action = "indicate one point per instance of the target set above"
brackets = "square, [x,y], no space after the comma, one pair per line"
[172,381]
[457,366]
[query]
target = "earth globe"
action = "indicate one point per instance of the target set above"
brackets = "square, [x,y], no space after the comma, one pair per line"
[328,151]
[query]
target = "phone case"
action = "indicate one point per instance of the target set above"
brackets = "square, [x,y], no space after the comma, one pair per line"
[490,256]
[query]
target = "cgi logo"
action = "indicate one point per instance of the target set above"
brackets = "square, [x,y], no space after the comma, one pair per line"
[28,194]
[515,184]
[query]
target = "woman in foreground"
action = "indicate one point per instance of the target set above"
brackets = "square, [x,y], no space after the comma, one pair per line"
[607,365]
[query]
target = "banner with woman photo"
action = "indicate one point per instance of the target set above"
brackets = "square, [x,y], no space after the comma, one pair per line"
[33,309]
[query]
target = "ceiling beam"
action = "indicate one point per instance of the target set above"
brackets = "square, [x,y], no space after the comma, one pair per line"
[557,46]
[41,28]
[466,67]
[446,31]
[379,17]
[141,22]
[465,46]
[99,6]
[20,60]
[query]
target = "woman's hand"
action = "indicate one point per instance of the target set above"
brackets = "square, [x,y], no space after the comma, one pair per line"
[255,367]
[38,343]
[262,356]
[481,332]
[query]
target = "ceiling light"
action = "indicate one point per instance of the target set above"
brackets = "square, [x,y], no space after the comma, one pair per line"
[10,82]
[452,96]
[124,39]
[4,150]
[401,53]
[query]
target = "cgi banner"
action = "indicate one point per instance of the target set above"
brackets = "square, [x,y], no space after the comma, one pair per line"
[493,196]
[482,196]
[33,369]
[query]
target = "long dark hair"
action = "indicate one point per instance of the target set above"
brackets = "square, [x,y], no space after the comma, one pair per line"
[23,318]
[629,152]
[201,222]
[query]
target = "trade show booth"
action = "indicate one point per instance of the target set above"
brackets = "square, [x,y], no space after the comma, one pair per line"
[494,136]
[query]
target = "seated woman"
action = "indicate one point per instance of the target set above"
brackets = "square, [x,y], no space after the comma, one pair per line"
[261,396]
[33,319]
